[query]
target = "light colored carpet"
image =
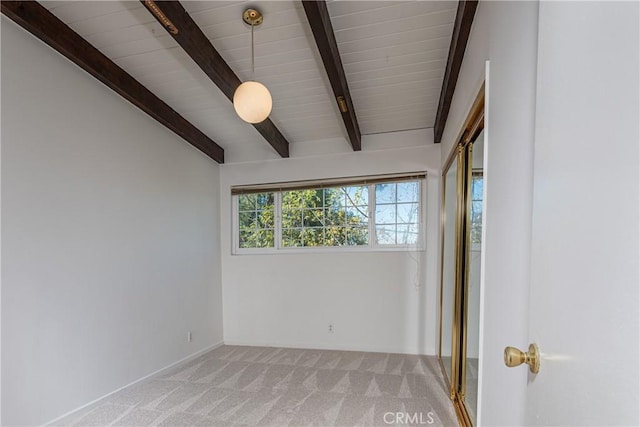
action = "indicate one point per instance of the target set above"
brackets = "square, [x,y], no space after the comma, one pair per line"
[265,386]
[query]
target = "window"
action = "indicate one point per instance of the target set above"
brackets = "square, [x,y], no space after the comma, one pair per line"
[385,214]
[476,208]
[325,217]
[256,216]
[397,213]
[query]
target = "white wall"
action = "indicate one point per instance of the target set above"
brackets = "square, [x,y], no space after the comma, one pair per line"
[376,301]
[110,238]
[505,33]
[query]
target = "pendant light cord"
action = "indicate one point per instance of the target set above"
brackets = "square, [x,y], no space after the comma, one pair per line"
[253,67]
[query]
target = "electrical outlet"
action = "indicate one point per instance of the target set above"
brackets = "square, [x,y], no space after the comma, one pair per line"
[189,336]
[330,328]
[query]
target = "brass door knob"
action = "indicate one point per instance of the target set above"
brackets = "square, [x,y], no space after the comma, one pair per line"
[514,357]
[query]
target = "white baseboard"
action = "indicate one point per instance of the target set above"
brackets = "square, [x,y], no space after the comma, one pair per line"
[146,377]
[323,346]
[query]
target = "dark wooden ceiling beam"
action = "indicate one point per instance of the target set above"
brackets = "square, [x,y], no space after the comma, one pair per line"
[36,19]
[197,45]
[320,23]
[461,30]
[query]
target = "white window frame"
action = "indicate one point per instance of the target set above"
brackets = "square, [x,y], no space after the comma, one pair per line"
[373,246]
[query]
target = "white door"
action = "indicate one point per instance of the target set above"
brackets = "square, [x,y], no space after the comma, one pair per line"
[584,271]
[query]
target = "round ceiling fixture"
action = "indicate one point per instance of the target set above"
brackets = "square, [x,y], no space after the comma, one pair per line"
[252,100]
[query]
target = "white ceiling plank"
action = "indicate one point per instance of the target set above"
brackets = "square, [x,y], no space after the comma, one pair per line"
[301,110]
[377,31]
[340,8]
[398,111]
[199,6]
[432,78]
[267,48]
[79,10]
[313,81]
[393,13]
[403,26]
[404,86]
[52,5]
[266,35]
[113,21]
[381,40]
[394,61]
[135,47]
[384,98]
[243,62]
[376,105]
[365,53]
[431,67]
[395,125]
[124,35]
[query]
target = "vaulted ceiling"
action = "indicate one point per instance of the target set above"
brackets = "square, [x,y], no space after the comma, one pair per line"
[393,56]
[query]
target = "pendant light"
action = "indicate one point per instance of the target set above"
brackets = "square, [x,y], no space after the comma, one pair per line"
[252,100]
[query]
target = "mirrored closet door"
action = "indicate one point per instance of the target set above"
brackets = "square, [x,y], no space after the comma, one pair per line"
[461,250]
[447,290]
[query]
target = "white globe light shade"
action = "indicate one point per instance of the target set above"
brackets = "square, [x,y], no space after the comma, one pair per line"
[252,102]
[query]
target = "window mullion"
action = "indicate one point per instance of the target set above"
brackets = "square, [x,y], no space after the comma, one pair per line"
[324,218]
[372,221]
[278,221]
[235,223]
[422,214]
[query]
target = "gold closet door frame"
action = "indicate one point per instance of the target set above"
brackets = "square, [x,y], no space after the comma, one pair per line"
[462,153]
[455,155]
